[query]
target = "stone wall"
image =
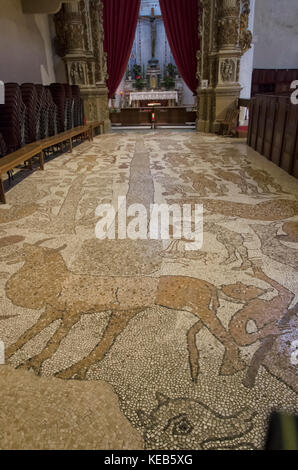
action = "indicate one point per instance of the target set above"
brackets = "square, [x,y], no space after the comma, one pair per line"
[276,34]
[246,62]
[26,53]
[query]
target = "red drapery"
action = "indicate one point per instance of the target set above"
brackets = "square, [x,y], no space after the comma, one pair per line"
[120,24]
[181,19]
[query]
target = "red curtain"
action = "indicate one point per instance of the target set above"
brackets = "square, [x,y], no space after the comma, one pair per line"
[181,19]
[120,24]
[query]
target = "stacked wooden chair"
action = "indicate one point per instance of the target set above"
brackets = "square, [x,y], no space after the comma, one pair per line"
[59,98]
[52,113]
[36,120]
[43,126]
[32,120]
[69,108]
[3,148]
[12,118]
[78,115]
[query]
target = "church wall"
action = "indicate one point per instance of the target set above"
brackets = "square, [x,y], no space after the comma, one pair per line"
[276,34]
[59,65]
[247,60]
[25,46]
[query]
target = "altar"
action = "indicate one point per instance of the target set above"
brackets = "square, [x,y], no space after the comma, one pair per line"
[143,98]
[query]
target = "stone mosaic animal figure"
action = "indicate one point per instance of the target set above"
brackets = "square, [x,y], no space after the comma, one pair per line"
[291,232]
[271,210]
[232,241]
[204,185]
[258,320]
[183,423]
[16,213]
[242,183]
[278,353]
[263,179]
[176,160]
[44,282]
[272,246]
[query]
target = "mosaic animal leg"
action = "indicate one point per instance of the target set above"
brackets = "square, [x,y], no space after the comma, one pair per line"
[117,323]
[226,241]
[46,319]
[245,262]
[193,350]
[264,349]
[232,258]
[36,362]
[260,354]
[231,361]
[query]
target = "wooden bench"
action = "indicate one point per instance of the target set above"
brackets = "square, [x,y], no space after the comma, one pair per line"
[25,154]
[66,136]
[95,125]
[14,159]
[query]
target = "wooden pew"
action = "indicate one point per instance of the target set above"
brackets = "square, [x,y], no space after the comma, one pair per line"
[95,125]
[37,149]
[81,130]
[273,130]
[66,136]
[269,126]
[263,113]
[279,129]
[289,142]
[14,159]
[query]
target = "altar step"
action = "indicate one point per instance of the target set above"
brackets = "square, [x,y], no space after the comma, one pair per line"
[174,118]
[129,128]
[190,126]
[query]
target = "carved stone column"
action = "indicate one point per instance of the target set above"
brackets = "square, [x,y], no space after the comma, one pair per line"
[224,38]
[80,42]
[97,99]
[229,53]
[205,64]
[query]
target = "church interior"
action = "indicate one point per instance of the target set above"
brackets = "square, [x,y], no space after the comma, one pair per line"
[119,333]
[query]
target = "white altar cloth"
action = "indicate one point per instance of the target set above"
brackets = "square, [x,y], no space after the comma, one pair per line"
[153,95]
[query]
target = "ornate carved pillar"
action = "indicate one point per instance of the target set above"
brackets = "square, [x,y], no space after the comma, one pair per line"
[224,38]
[205,64]
[80,42]
[229,53]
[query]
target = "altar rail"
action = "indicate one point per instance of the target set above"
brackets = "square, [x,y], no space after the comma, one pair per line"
[273,130]
[143,116]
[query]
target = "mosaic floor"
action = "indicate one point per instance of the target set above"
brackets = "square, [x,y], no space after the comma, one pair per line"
[142,344]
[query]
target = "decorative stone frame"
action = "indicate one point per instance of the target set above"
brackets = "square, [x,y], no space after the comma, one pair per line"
[224,38]
[79,40]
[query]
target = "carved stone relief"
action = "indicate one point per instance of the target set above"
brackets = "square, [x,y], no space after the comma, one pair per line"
[228,70]
[245,35]
[77,74]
